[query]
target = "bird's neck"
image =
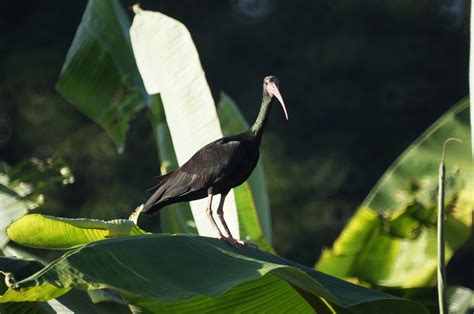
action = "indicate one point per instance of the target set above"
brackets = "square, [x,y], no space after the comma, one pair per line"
[257,128]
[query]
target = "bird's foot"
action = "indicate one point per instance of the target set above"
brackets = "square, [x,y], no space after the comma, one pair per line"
[234,242]
[237,243]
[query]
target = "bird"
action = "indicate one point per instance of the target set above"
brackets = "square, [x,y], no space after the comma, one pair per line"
[217,167]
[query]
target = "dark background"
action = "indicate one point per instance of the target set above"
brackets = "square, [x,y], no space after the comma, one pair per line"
[361,81]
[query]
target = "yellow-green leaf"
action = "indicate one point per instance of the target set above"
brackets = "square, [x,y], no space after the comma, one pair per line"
[40,231]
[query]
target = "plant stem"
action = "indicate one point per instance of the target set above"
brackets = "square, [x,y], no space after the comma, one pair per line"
[441,270]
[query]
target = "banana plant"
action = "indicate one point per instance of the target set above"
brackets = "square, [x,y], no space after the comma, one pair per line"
[100,77]
[391,239]
[173,275]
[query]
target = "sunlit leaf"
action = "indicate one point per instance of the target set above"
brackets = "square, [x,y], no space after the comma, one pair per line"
[169,65]
[391,240]
[40,231]
[175,269]
[99,76]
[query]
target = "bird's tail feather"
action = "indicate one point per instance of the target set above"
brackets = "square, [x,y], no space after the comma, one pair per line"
[160,180]
[152,205]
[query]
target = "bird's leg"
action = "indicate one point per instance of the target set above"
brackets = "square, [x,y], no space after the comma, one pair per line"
[220,213]
[209,213]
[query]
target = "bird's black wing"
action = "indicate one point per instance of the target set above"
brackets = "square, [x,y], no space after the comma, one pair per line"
[212,162]
[206,167]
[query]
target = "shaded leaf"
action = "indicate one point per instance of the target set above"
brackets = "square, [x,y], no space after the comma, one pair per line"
[269,294]
[99,76]
[75,301]
[176,269]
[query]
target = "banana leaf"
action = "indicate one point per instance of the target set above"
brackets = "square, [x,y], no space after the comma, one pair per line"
[192,122]
[99,76]
[391,239]
[169,65]
[177,269]
[48,232]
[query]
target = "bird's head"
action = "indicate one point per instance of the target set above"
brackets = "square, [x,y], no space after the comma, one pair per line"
[270,89]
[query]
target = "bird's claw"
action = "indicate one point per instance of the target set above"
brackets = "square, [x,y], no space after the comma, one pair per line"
[237,243]
[234,242]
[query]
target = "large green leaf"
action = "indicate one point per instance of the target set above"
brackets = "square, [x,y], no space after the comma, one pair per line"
[21,186]
[99,75]
[169,65]
[174,270]
[251,197]
[391,239]
[40,231]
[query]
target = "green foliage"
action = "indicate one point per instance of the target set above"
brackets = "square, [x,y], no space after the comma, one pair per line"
[21,186]
[39,231]
[76,301]
[175,267]
[83,72]
[101,79]
[391,240]
[99,75]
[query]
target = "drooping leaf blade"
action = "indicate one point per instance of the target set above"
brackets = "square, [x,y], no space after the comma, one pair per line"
[176,269]
[391,240]
[99,76]
[41,231]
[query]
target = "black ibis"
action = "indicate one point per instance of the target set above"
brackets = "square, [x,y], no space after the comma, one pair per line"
[217,167]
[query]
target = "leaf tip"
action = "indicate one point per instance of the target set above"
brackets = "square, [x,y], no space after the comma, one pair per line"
[136,8]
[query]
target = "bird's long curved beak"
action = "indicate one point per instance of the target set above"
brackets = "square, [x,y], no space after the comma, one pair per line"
[273,91]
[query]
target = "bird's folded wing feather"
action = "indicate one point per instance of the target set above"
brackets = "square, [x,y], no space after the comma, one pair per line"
[206,167]
[212,162]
